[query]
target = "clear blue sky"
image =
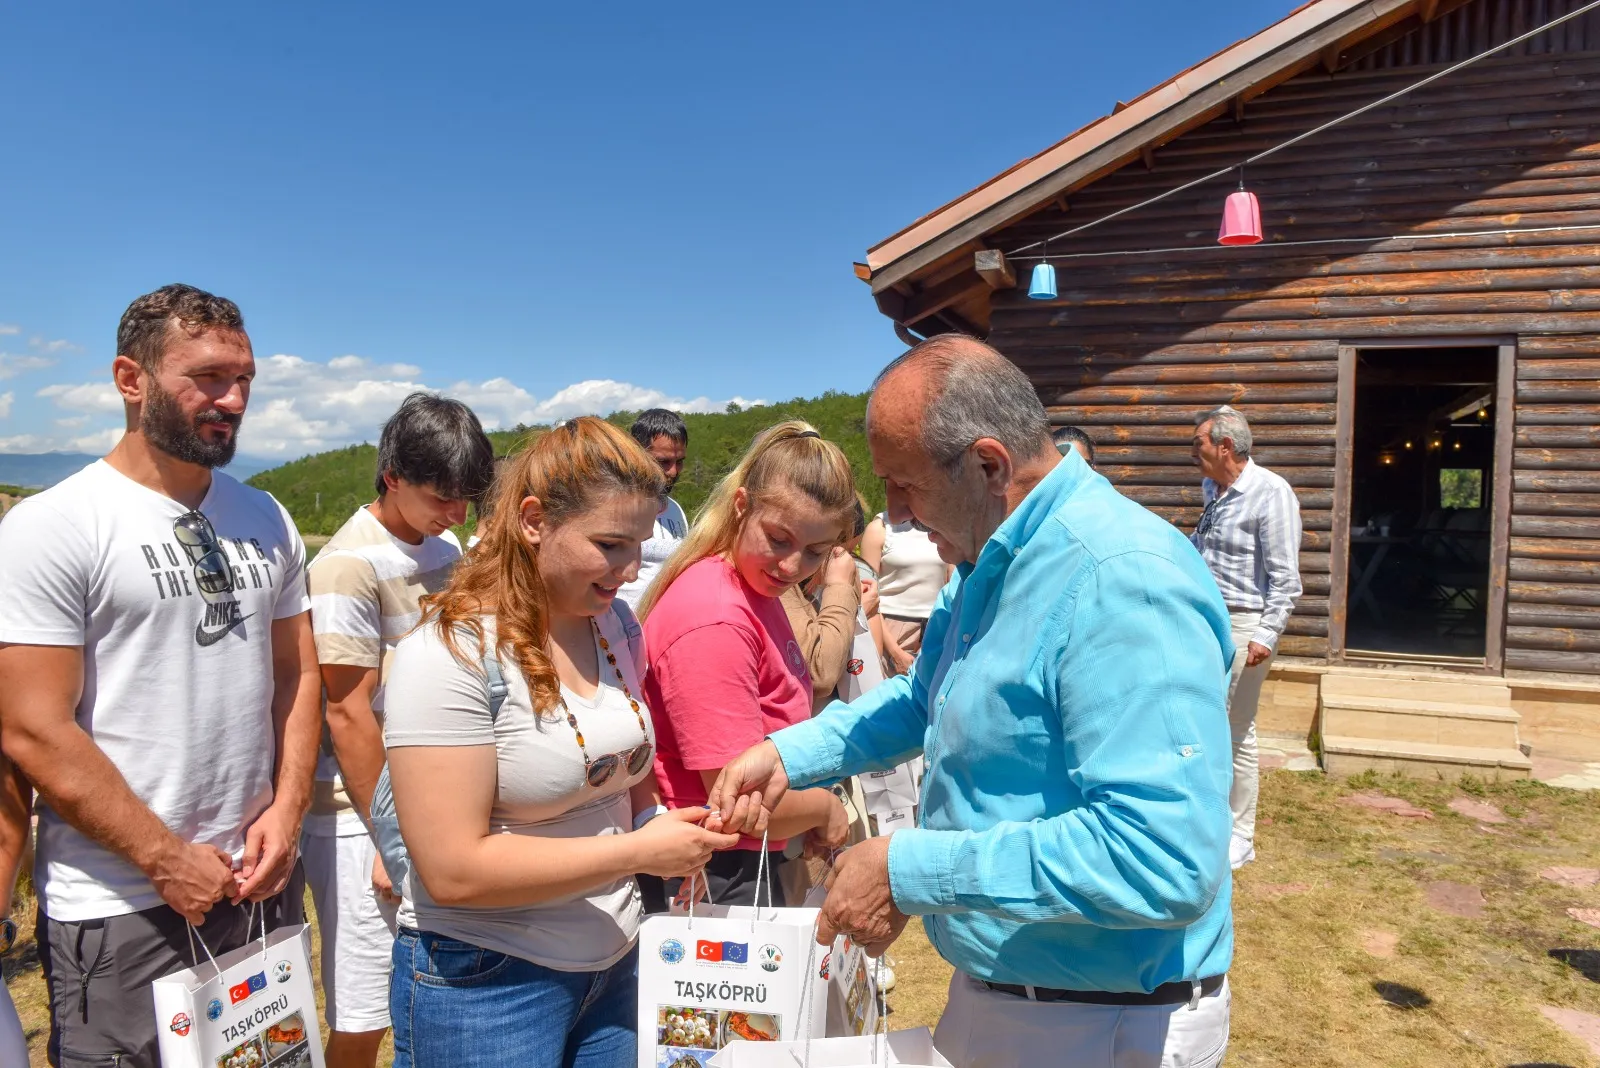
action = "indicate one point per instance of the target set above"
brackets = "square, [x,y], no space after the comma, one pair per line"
[669,196]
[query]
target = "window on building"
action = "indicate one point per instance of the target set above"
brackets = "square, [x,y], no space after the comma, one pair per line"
[1460,488]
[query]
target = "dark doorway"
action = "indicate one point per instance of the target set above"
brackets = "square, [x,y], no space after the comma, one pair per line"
[1421,489]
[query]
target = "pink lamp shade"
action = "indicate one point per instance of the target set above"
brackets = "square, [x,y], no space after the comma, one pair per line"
[1241,220]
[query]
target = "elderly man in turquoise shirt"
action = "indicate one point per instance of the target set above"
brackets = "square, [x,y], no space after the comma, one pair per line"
[1071,853]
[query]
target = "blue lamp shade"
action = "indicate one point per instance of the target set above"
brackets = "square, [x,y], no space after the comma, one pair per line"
[1043,286]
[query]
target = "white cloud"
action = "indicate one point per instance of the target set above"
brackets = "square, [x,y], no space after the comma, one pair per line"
[52,345]
[12,365]
[300,406]
[8,328]
[5,404]
[87,397]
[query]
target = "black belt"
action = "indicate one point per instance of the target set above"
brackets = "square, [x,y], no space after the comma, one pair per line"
[1166,994]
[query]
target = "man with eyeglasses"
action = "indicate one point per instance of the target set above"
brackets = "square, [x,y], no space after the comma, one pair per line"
[1249,535]
[158,686]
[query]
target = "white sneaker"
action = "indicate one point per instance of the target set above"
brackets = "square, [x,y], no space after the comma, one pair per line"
[1241,851]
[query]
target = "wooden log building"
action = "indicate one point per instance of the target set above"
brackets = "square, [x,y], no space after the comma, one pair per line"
[1416,344]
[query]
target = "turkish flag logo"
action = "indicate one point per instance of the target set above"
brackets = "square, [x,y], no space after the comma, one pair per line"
[708,951]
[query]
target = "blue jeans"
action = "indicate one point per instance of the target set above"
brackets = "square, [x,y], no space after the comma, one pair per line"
[457,1005]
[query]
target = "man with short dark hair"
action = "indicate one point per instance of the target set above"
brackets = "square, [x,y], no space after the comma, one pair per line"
[158,685]
[366,585]
[1070,855]
[1249,535]
[666,439]
[1070,437]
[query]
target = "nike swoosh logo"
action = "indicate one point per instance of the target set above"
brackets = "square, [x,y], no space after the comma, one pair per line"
[203,637]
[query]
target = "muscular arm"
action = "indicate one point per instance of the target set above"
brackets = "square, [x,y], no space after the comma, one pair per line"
[353,727]
[39,690]
[16,800]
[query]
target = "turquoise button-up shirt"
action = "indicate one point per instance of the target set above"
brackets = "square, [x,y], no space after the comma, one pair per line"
[1070,698]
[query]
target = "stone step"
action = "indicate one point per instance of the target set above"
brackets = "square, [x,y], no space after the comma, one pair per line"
[1413,686]
[1344,755]
[1407,707]
[1423,725]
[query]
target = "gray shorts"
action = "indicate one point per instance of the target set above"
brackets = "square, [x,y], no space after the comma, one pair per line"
[98,974]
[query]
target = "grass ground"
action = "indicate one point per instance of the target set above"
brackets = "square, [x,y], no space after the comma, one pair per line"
[1342,960]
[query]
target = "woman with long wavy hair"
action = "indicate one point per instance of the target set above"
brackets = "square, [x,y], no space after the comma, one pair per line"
[725,668]
[527,809]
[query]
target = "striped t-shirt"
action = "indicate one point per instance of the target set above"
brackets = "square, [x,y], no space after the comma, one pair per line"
[365,588]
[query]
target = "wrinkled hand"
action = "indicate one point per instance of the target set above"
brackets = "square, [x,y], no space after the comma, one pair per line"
[859,901]
[748,789]
[674,844]
[869,596]
[1256,654]
[191,878]
[381,884]
[271,846]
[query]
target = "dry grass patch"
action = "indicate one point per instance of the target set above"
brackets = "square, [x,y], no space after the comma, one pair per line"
[1341,963]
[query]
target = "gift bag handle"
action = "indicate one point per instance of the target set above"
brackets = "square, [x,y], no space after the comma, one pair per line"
[880,1036]
[763,877]
[196,936]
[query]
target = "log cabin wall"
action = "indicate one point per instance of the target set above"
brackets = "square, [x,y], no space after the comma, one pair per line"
[1136,345]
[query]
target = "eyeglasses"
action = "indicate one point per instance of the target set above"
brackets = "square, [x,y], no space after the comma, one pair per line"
[1208,517]
[599,772]
[212,572]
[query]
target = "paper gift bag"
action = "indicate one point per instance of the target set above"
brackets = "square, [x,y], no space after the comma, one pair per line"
[864,669]
[251,1008]
[723,974]
[911,1047]
[852,990]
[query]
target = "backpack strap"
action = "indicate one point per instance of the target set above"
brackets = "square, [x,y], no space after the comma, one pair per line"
[497,687]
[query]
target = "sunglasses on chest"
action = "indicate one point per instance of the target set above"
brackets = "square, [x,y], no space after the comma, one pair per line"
[598,772]
[213,574]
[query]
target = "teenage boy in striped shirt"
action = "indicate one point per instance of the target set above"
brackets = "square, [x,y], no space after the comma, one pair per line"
[366,585]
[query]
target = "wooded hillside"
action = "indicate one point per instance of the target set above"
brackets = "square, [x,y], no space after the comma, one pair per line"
[322,491]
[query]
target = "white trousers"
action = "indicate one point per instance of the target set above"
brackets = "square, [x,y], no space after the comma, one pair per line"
[357,930]
[1244,697]
[982,1028]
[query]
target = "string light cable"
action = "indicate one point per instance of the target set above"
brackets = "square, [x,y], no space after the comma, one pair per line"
[1017,254]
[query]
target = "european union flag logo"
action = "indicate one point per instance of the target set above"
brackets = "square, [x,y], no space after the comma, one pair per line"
[736,952]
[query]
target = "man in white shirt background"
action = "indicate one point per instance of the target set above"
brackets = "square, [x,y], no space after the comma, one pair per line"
[158,686]
[666,439]
[1249,535]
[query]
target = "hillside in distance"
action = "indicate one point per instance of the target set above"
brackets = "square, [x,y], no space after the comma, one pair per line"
[322,491]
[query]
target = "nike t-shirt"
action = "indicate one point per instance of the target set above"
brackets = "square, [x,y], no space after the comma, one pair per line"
[177,688]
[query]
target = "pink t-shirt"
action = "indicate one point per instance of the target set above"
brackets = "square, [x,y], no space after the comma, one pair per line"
[725,672]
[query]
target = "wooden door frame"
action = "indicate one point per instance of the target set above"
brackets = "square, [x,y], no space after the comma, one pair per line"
[1505,395]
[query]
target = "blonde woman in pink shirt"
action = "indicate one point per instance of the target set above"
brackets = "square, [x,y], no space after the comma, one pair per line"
[725,668]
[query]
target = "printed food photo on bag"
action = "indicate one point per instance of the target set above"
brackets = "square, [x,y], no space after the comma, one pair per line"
[247,1054]
[286,1042]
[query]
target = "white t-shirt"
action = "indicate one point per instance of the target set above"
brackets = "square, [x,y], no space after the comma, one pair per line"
[177,691]
[434,700]
[911,575]
[671,528]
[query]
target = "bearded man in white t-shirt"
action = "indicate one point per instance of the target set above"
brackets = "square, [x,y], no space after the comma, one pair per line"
[158,685]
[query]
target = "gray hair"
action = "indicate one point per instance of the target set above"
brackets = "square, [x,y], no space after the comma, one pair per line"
[1227,425]
[974,392]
